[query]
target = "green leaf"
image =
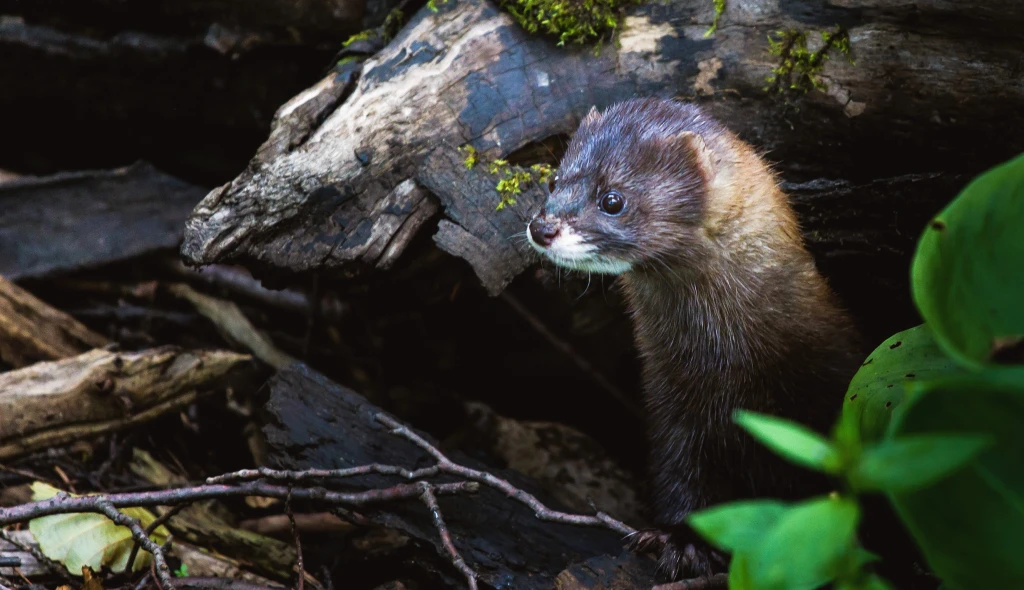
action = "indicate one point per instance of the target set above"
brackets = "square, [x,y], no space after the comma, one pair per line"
[907,463]
[797,443]
[868,581]
[966,278]
[970,525]
[737,526]
[88,539]
[807,547]
[877,390]
[739,573]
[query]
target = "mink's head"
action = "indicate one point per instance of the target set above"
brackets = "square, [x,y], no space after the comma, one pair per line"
[630,190]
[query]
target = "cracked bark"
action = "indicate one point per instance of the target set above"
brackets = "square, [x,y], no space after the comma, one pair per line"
[925,85]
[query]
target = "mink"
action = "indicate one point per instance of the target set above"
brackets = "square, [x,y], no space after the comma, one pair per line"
[728,308]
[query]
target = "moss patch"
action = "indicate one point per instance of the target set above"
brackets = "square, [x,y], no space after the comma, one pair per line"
[719,10]
[512,179]
[799,68]
[570,21]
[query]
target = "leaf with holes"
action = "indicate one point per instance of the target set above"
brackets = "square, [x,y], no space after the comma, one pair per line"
[966,278]
[970,525]
[90,540]
[877,390]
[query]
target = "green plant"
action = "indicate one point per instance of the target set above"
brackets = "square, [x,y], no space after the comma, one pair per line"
[571,21]
[512,180]
[799,68]
[932,420]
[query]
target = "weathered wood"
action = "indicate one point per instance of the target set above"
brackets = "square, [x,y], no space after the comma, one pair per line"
[98,392]
[313,422]
[933,82]
[31,330]
[73,220]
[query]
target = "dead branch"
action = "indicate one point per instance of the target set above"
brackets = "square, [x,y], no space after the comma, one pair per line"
[233,325]
[541,511]
[430,500]
[31,330]
[53,403]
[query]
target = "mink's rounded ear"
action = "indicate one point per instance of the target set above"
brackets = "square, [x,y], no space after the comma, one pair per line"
[592,117]
[691,145]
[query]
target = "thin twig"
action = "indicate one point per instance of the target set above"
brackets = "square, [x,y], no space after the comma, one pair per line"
[307,474]
[298,541]
[446,465]
[163,573]
[446,539]
[65,504]
[715,582]
[159,521]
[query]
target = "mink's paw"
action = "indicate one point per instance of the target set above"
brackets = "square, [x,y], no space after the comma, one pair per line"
[683,554]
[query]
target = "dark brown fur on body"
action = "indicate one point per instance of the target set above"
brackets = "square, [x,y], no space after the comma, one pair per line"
[728,308]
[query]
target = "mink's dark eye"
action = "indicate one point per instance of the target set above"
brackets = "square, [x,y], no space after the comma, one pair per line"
[612,203]
[551,183]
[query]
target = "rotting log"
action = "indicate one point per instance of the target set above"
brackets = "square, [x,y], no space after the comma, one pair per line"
[73,220]
[935,90]
[98,392]
[31,330]
[315,423]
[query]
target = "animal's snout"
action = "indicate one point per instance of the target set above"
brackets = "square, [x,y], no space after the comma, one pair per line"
[543,231]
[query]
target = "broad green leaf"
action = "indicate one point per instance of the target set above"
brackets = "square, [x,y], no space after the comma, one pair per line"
[737,526]
[807,547]
[868,581]
[910,462]
[88,539]
[878,388]
[966,278]
[797,443]
[739,573]
[970,525]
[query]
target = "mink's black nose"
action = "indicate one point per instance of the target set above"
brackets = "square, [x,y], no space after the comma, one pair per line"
[543,231]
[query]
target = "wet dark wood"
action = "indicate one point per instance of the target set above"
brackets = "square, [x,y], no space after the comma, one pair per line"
[314,422]
[73,220]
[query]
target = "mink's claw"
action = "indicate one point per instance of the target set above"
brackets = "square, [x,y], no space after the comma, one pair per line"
[682,554]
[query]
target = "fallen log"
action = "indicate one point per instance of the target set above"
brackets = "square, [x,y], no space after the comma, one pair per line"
[74,220]
[313,422]
[54,403]
[31,330]
[930,80]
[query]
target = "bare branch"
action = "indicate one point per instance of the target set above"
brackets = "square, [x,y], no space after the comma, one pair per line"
[163,573]
[445,465]
[446,538]
[65,504]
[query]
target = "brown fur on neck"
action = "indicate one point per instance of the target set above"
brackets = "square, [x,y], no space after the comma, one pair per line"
[743,320]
